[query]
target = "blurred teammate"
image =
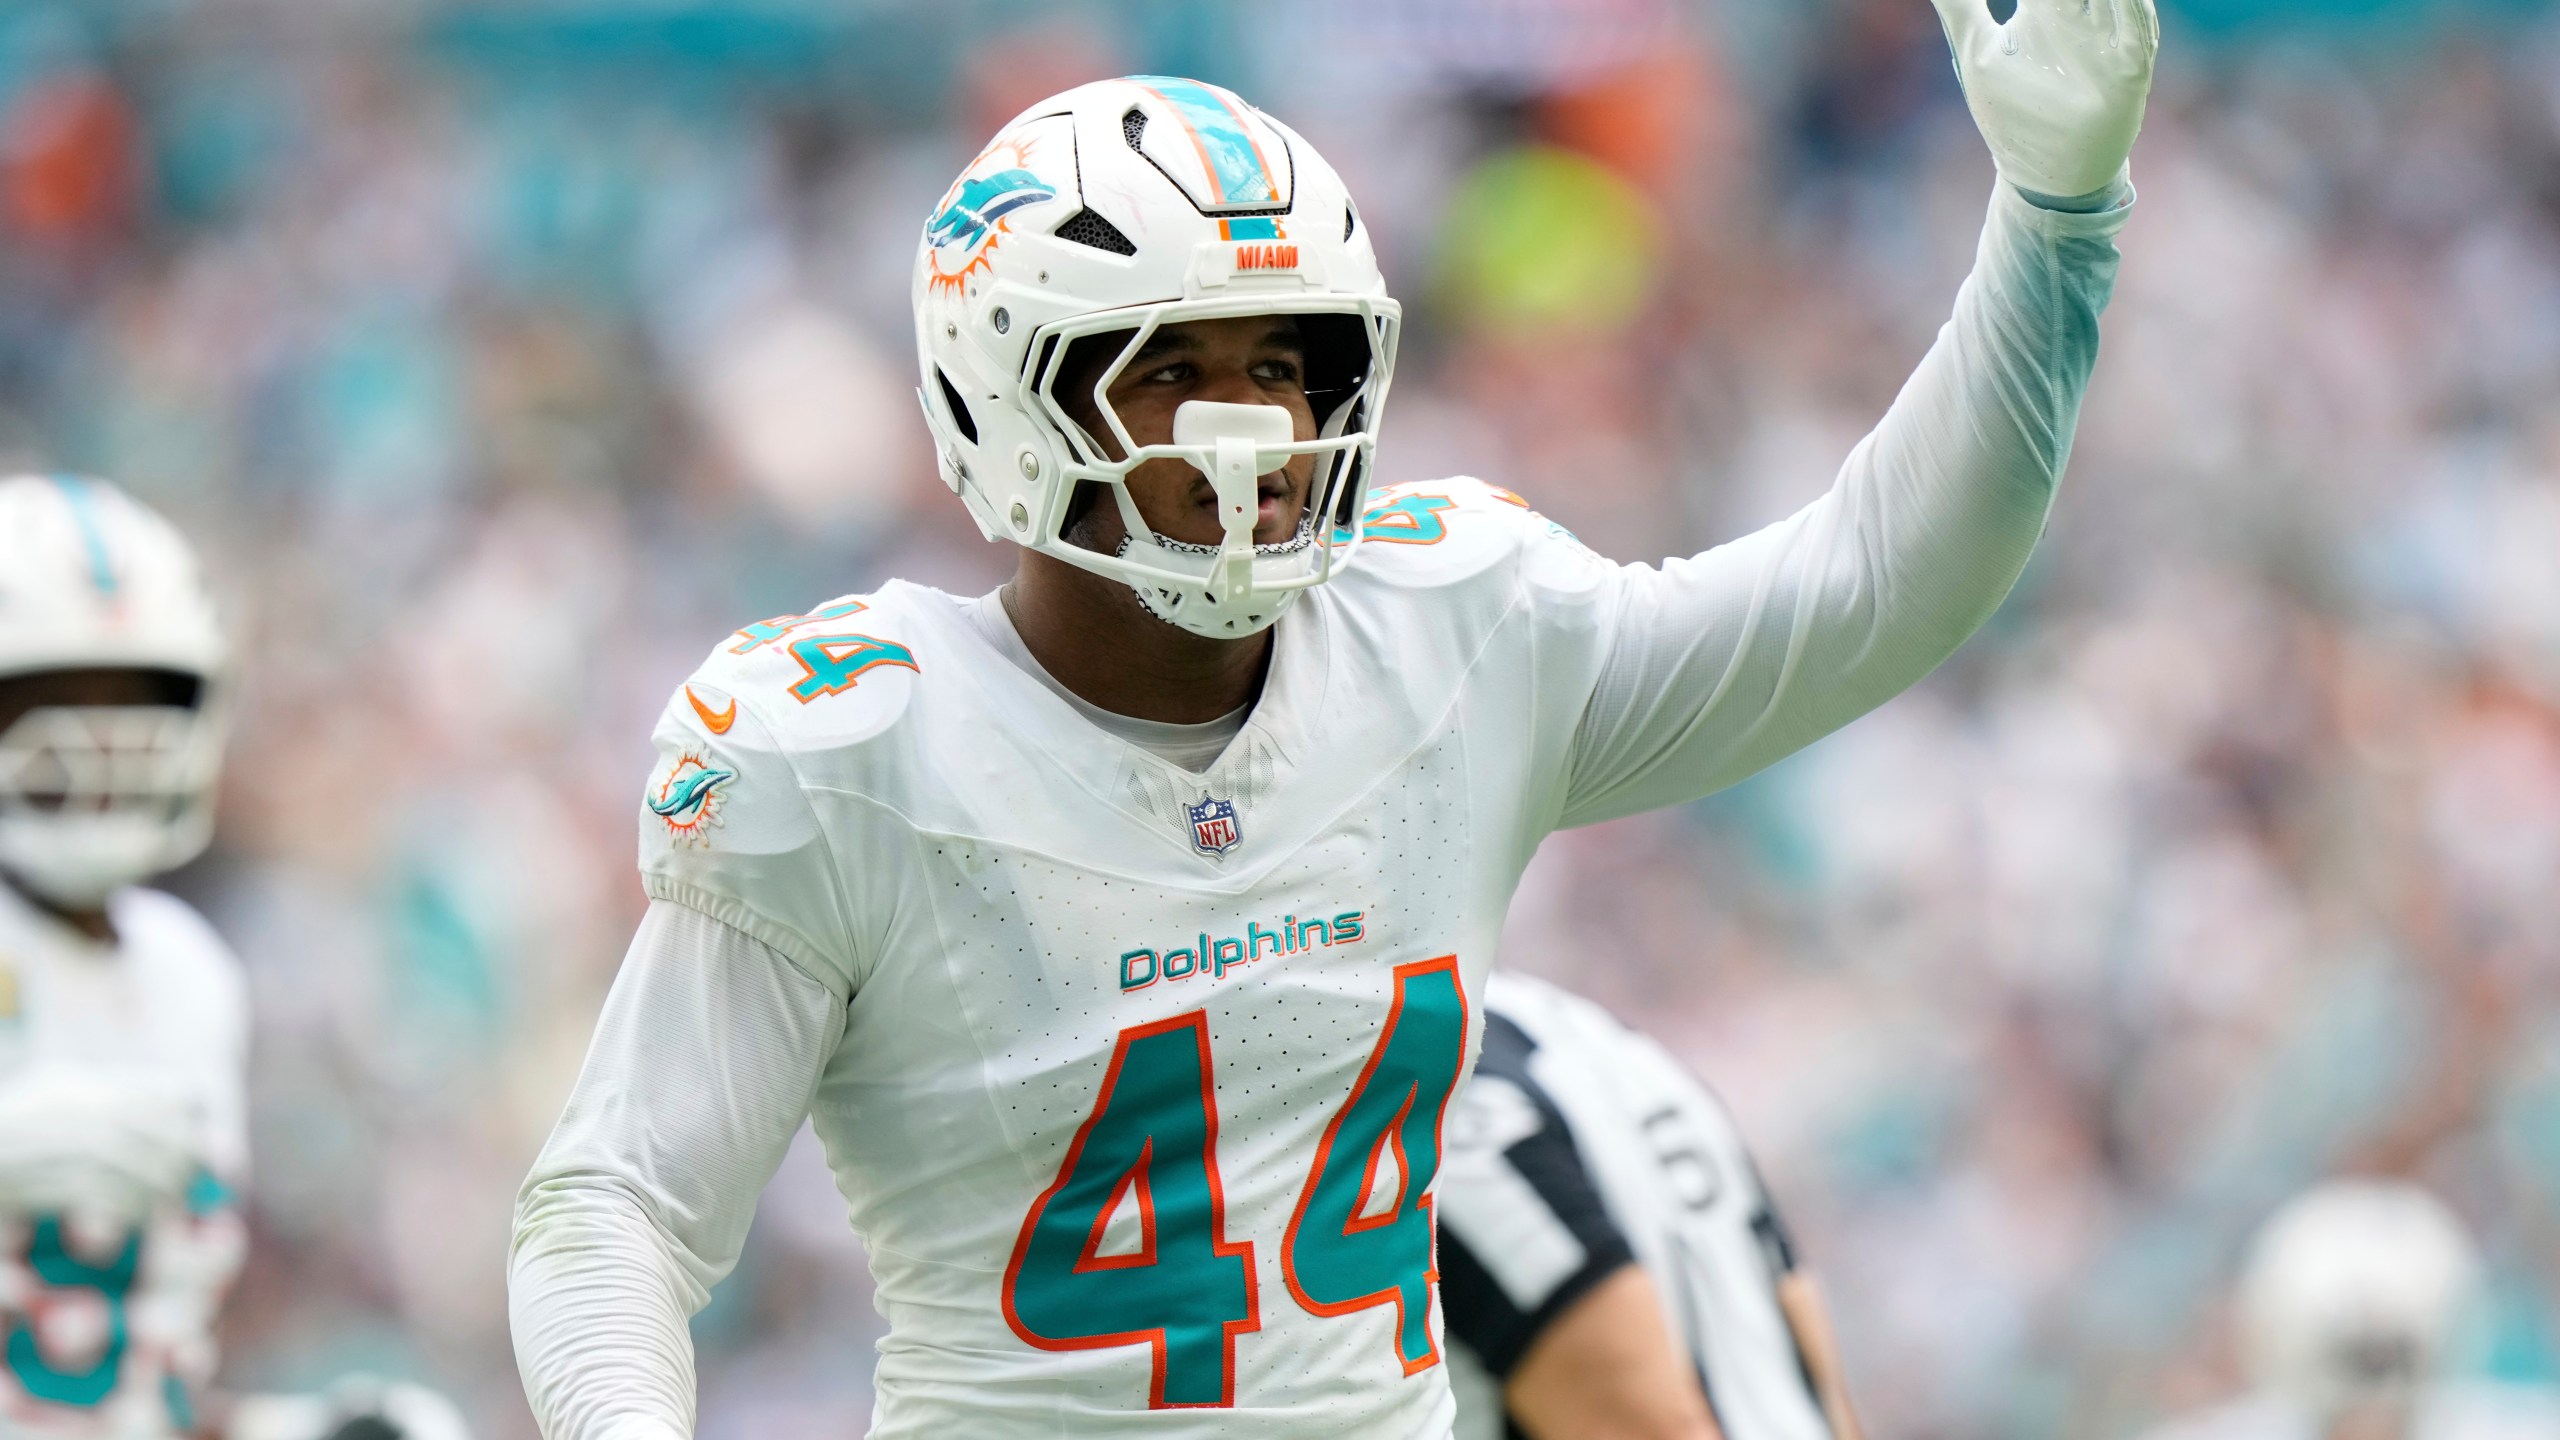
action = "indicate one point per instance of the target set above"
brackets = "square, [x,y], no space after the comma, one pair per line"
[1118,929]
[123,1024]
[123,1018]
[2346,1307]
[1610,1263]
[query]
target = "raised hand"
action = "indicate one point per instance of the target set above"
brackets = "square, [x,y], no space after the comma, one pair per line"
[2058,89]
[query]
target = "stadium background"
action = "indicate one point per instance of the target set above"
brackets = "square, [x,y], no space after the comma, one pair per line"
[506,355]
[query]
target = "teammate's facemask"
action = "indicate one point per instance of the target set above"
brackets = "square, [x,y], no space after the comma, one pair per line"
[1117,209]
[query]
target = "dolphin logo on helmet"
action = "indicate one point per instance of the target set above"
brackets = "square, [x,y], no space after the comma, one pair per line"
[979,203]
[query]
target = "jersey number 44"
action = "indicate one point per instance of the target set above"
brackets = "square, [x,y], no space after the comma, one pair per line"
[1184,1288]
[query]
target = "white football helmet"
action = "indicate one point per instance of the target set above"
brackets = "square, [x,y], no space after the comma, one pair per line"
[97,797]
[1125,206]
[359,1407]
[2351,1292]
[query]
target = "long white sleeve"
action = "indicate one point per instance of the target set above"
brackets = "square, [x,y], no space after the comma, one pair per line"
[1720,665]
[702,1068]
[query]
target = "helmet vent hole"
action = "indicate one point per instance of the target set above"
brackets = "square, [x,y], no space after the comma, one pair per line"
[959,408]
[1087,228]
[1133,127]
[1350,221]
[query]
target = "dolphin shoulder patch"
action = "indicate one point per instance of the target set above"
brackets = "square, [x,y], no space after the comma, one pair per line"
[686,795]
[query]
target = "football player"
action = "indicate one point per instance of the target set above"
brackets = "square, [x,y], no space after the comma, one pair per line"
[1611,1265]
[122,1015]
[2348,1305]
[1123,932]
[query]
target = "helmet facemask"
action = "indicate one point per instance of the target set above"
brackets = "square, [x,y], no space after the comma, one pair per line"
[1237,587]
[94,797]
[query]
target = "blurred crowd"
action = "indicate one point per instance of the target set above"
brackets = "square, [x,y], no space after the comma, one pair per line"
[505,357]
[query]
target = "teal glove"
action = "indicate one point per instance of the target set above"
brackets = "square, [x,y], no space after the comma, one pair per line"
[2058,90]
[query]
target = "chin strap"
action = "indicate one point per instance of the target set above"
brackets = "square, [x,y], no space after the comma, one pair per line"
[1213,609]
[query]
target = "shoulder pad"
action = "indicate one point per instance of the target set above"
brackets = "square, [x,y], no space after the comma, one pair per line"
[1433,532]
[839,674]
[155,917]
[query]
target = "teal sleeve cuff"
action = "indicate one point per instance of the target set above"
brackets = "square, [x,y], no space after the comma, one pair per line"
[2115,195]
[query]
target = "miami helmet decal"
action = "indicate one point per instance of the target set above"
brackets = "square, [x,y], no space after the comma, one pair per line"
[975,208]
[971,220]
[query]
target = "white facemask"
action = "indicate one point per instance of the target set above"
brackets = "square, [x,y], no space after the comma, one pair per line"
[96,798]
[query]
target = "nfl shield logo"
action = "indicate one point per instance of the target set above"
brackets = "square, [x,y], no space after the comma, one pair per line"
[1213,826]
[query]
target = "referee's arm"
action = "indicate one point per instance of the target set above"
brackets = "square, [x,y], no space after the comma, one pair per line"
[1608,1369]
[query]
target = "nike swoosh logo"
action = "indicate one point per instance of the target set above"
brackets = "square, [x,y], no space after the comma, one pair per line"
[716,721]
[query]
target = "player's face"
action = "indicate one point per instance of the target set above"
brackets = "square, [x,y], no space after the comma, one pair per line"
[86,689]
[1245,360]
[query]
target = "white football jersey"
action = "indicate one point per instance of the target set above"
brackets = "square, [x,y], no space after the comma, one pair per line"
[1580,1147]
[109,1328]
[1142,1082]
[1132,1076]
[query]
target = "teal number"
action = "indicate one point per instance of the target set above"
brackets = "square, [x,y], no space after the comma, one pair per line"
[1185,1290]
[765,632]
[830,664]
[57,1267]
[1342,1253]
[1408,520]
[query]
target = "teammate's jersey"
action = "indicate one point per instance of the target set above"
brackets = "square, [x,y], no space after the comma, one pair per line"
[1580,1147]
[108,1332]
[1132,1077]
[2451,1412]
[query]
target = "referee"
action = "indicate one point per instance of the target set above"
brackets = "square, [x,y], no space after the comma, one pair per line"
[1610,1266]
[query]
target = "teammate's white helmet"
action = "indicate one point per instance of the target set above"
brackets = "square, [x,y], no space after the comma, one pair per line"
[1127,205]
[94,798]
[2351,1292]
[359,1407]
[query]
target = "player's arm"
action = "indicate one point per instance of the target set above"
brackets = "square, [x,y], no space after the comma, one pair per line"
[702,1068]
[223,1007]
[711,1044]
[1713,667]
[1609,1369]
[1538,1281]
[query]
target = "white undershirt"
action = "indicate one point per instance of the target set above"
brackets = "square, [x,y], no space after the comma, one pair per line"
[1193,747]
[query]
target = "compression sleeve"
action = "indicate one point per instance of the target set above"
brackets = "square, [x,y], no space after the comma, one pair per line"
[703,1066]
[1716,666]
